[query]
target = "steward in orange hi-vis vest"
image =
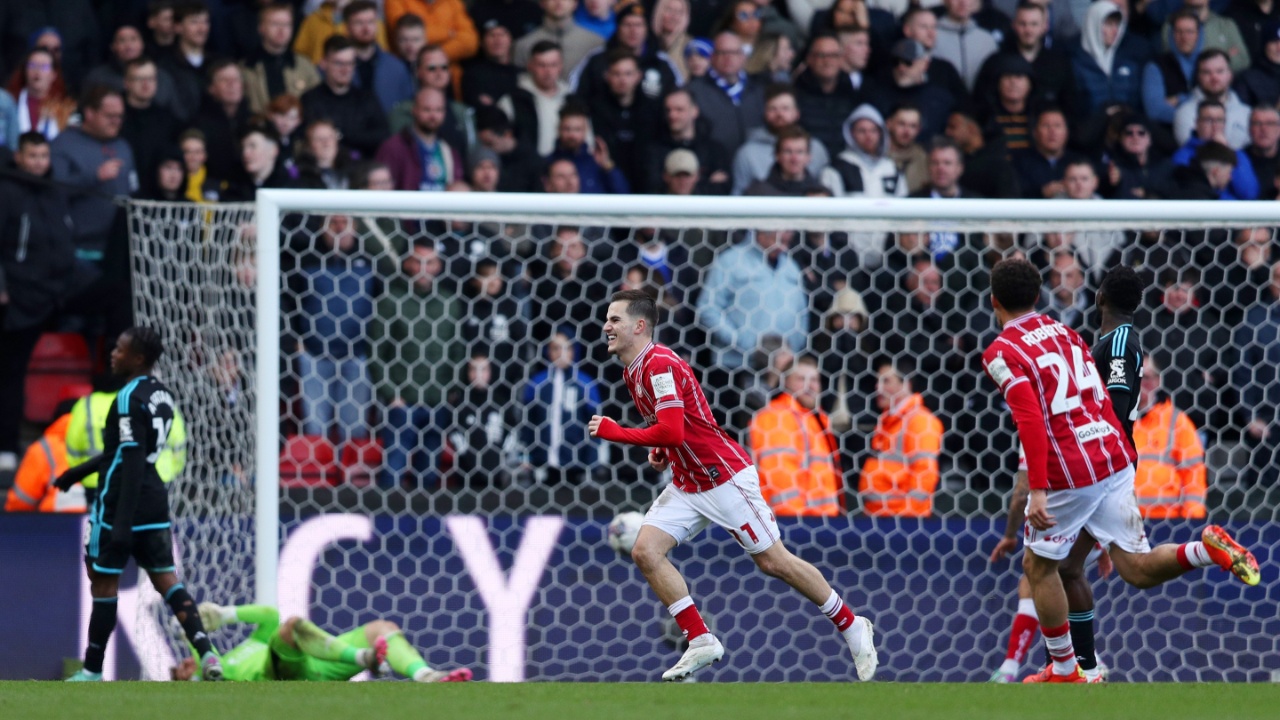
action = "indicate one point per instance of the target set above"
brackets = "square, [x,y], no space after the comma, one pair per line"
[899,477]
[797,458]
[45,460]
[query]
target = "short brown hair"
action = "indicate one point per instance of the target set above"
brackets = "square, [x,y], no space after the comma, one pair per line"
[639,304]
[790,132]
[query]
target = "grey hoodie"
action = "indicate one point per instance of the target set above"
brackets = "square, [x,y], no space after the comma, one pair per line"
[76,157]
[855,173]
[755,158]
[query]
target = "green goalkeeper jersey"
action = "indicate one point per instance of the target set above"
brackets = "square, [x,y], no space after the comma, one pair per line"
[250,661]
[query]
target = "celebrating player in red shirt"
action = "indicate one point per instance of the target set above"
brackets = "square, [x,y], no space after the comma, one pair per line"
[1079,464]
[714,481]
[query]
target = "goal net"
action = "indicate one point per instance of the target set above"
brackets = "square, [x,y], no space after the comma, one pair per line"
[386,398]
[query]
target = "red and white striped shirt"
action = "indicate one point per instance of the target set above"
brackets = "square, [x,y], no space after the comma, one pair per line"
[1085,444]
[659,379]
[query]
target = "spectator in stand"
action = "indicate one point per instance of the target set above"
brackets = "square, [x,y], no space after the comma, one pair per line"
[1260,84]
[1136,170]
[597,16]
[962,42]
[754,160]
[685,129]
[354,110]
[274,69]
[987,172]
[855,54]
[625,118]
[1188,340]
[161,33]
[322,162]
[490,75]
[127,45]
[659,73]
[376,70]
[188,62]
[946,166]
[37,257]
[574,41]
[1213,82]
[322,24]
[922,26]
[558,403]
[1051,67]
[1093,248]
[1107,61]
[824,94]
[1167,79]
[670,28]
[484,170]
[1257,378]
[149,128]
[560,279]
[743,19]
[202,187]
[284,112]
[697,58]
[1008,115]
[680,172]
[42,103]
[790,174]
[731,101]
[8,122]
[170,181]
[910,81]
[419,158]
[67,28]
[408,37]
[752,289]
[334,290]
[432,71]
[1211,124]
[901,474]
[1251,18]
[478,425]
[864,168]
[534,106]
[260,165]
[791,441]
[447,24]
[773,58]
[95,160]
[223,114]
[561,177]
[597,171]
[1238,276]
[417,351]
[493,324]
[1040,167]
[1263,149]
[521,166]
[519,17]
[1219,34]
[1068,297]
[773,22]
[910,158]
[1170,480]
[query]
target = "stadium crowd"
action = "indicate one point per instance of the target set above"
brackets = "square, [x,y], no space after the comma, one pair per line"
[470,352]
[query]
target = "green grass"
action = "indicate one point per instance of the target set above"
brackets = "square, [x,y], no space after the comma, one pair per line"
[567,701]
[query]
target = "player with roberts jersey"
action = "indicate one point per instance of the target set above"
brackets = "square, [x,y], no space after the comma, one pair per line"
[1079,464]
[130,515]
[713,481]
[1119,352]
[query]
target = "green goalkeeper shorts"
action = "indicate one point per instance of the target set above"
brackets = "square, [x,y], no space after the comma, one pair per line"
[293,664]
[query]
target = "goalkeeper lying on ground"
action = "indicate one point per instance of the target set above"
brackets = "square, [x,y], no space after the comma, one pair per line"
[299,650]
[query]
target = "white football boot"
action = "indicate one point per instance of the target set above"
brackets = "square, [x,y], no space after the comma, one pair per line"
[862,646]
[703,650]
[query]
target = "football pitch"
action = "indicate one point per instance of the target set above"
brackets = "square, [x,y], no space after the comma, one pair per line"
[615,701]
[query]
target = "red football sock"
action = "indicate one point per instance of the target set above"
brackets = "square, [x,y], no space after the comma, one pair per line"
[689,619]
[1024,631]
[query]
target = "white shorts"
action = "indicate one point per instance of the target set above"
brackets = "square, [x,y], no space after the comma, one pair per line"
[1108,510]
[736,506]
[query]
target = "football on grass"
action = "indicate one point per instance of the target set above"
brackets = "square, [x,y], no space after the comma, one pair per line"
[623,531]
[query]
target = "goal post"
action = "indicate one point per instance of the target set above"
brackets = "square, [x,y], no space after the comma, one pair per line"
[505,569]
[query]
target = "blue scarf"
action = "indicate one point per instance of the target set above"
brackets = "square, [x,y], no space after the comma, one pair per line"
[734,91]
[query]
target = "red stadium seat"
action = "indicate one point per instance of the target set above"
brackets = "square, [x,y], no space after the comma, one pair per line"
[59,360]
[361,461]
[308,461]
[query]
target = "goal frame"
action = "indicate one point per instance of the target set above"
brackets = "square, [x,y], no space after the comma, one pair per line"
[920,215]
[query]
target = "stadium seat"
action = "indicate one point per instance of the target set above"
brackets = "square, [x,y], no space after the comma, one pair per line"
[308,461]
[59,360]
[361,460]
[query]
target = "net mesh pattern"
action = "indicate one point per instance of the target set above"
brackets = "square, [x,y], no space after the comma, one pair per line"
[447,365]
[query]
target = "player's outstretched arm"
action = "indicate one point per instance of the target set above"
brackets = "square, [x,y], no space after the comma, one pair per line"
[1017,516]
[668,431]
[78,473]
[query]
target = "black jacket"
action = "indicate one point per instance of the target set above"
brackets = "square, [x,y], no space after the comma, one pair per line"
[1054,81]
[628,131]
[657,74]
[712,158]
[188,81]
[37,253]
[1260,84]
[1035,170]
[358,115]
[823,114]
[482,76]
[150,132]
[989,174]
[221,137]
